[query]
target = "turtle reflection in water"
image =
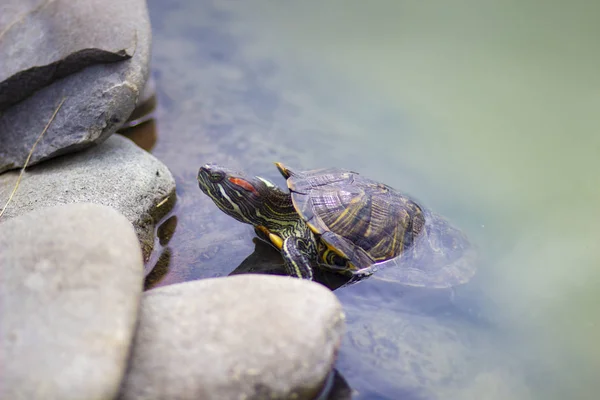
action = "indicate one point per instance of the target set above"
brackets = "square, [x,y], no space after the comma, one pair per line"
[340,221]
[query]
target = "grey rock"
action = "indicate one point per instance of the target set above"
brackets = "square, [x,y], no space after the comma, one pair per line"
[69,295]
[116,173]
[149,91]
[144,110]
[98,99]
[61,37]
[240,337]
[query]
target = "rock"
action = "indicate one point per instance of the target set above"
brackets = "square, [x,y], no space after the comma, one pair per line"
[144,110]
[240,337]
[69,292]
[116,173]
[141,127]
[62,37]
[99,98]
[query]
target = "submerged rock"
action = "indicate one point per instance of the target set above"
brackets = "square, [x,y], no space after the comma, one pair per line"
[395,354]
[69,292]
[98,98]
[248,336]
[116,173]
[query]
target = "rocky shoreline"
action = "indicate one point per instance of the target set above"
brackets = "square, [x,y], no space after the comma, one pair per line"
[76,325]
[74,320]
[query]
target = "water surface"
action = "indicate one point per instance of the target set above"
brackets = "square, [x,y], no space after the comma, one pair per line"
[485,112]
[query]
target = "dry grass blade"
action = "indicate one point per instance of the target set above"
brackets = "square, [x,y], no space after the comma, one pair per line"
[162,202]
[29,156]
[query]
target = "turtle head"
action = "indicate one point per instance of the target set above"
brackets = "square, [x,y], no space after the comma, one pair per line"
[234,193]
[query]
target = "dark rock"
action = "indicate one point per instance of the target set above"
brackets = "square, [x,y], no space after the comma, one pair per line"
[70,287]
[61,37]
[99,98]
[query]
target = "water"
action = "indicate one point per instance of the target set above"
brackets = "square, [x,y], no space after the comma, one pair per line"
[485,112]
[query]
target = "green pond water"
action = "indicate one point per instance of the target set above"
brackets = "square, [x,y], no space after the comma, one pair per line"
[486,112]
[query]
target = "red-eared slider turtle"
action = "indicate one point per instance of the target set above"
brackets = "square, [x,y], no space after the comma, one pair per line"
[341,221]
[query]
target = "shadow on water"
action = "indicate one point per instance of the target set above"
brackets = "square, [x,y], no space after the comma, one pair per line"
[158,266]
[267,260]
[159,269]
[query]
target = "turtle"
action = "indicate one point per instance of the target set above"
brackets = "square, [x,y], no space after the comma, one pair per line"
[341,221]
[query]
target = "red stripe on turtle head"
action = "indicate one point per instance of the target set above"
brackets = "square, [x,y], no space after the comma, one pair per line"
[244,184]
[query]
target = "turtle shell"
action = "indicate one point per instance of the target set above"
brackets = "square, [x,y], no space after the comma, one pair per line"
[422,248]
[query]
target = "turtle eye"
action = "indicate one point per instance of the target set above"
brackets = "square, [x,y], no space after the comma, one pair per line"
[216,176]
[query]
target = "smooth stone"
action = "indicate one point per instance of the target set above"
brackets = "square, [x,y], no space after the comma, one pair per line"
[70,285]
[98,99]
[62,37]
[116,173]
[239,337]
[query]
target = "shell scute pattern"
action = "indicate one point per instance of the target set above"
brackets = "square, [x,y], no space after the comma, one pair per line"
[422,247]
[371,215]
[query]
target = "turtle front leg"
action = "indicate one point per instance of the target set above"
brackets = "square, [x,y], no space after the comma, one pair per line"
[299,255]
